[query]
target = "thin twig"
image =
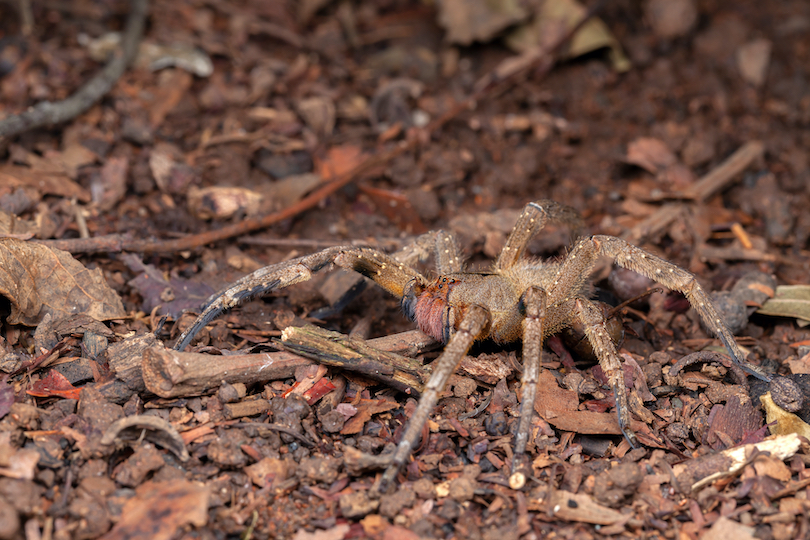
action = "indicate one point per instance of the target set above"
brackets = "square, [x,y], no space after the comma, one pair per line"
[716,180]
[48,114]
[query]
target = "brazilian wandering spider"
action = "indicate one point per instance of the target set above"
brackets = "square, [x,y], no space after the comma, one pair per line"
[518,298]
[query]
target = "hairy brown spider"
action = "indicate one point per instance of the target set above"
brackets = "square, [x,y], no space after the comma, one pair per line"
[518,298]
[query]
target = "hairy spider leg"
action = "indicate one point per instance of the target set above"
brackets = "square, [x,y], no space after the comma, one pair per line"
[473,325]
[532,219]
[598,335]
[534,302]
[633,258]
[387,272]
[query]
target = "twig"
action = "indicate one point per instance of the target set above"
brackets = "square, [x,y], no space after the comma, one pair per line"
[701,190]
[168,373]
[48,114]
[490,86]
[335,349]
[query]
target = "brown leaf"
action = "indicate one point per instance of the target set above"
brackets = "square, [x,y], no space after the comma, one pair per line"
[396,208]
[22,462]
[478,20]
[365,409]
[38,280]
[14,227]
[583,508]
[54,384]
[174,296]
[339,160]
[160,509]
[650,154]
[112,182]
[46,182]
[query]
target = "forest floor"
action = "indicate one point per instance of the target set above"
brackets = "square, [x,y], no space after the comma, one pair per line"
[249,133]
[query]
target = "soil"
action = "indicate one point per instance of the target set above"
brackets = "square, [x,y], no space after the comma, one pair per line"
[685,132]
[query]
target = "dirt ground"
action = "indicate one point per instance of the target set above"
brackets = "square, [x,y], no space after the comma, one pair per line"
[248,133]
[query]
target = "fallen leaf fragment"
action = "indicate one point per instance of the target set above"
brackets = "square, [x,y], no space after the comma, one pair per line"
[753,59]
[268,471]
[174,296]
[54,384]
[365,409]
[396,208]
[38,280]
[14,227]
[697,473]
[20,463]
[339,160]
[223,202]
[559,407]
[650,154]
[671,19]
[151,428]
[782,422]
[153,56]
[45,182]
[160,509]
[478,20]
[789,301]
[6,396]
[558,16]
[724,528]
[582,508]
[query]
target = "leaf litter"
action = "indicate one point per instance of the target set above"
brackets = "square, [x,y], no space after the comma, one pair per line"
[289,119]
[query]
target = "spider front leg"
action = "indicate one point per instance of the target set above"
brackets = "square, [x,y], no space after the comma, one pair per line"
[473,323]
[256,284]
[534,302]
[387,272]
[532,219]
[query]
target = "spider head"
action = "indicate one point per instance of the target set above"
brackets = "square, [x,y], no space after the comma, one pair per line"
[428,306]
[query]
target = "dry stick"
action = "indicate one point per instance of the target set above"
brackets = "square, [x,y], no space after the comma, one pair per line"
[48,114]
[493,85]
[701,190]
[169,373]
[338,350]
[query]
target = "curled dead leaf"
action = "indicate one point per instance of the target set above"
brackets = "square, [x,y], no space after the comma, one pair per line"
[154,429]
[38,280]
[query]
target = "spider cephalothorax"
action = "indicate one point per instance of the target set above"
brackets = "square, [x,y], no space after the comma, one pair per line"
[517,299]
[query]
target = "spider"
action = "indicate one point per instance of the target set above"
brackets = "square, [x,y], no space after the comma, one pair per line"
[519,298]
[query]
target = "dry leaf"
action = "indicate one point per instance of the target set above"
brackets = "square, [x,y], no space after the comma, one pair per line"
[582,508]
[396,208]
[174,296]
[11,225]
[556,17]
[478,20]
[223,202]
[753,59]
[46,182]
[38,280]
[54,384]
[111,184]
[159,510]
[789,301]
[339,160]
[20,463]
[725,528]
[650,154]
[781,422]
